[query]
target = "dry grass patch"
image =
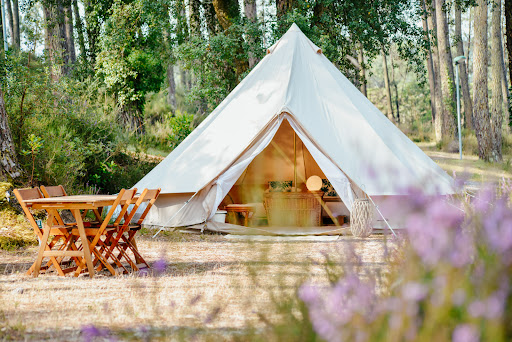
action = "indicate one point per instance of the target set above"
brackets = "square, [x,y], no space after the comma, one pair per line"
[211,286]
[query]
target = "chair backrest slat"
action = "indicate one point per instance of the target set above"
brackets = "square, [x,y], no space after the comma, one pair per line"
[53,191]
[126,200]
[23,195]
[151,196]
[142,198]
[118,201]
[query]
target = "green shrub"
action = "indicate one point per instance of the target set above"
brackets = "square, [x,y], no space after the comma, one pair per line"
[181,126]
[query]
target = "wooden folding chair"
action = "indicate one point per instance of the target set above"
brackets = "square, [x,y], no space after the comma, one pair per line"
[100,235]
[58,231]
[124,239]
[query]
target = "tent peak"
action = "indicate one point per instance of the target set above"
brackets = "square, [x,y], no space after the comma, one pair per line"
[293,33]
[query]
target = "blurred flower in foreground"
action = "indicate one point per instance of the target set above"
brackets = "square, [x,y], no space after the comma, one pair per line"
[449,280]
[465,333]
[160,265]
[435,232]
[332,308]
[91,333]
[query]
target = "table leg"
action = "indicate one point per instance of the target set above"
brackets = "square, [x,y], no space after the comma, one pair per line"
[246,218]
[85,242]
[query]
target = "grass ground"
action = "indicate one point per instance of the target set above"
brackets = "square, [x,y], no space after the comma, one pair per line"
[470,165]
[213,286]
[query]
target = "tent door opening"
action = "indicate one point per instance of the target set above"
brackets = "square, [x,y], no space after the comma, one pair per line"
[277,177]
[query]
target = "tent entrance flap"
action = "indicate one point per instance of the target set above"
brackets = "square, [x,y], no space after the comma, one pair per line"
[272,149]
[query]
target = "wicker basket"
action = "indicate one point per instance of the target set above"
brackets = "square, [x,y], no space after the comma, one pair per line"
[294,209]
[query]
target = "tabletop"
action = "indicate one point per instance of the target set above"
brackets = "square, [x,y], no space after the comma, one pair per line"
[65,202]
[241,207]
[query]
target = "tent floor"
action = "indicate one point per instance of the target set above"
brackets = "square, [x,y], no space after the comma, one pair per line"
[233,229]
[227,228]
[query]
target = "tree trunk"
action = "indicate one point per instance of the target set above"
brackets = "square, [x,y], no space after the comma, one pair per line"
[496,105]
[468,105]
[446,73]
[508,28]
[388,86]
[171,96]
[55,38]
[180,14]
[8,10]
[93,28]
[194,7]
[1,29]
[504,82]
[131,116]
[79,30]
[438,96]
[362,71]
[481,115]
[430,65]
[70,39]
[284,6]
[9,167]
[250,14]
[16,25]
[227,11]
[397,115]
[212,23]
[469,40]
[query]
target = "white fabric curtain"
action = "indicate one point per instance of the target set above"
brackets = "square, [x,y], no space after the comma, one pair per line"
[226,181]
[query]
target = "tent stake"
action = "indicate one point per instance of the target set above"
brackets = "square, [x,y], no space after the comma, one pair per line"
[173,216]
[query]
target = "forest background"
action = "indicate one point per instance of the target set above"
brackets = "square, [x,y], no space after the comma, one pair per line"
[91,90]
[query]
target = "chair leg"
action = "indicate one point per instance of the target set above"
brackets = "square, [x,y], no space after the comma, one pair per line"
[128,244]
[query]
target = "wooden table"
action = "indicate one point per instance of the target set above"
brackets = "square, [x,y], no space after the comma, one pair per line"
[74,204]
[247,210]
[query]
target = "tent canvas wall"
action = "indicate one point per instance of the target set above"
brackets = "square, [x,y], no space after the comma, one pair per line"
[351,141]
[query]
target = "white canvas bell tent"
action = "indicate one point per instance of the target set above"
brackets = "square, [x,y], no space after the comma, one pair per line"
[354,145]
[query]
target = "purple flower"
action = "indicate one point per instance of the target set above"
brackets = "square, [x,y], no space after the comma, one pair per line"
[465,333]
[332,308]
[494,307]
[497,224]
[458,297]
[91,332]
[483,199]
[415,292]
[463,249]
[308,294]
[477,308]
[434,231]
[160,265]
